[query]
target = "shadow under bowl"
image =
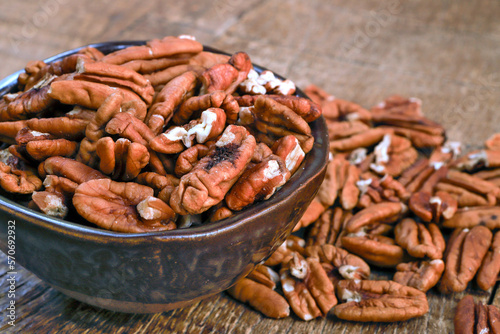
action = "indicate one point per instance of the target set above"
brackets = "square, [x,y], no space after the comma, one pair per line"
[157,271]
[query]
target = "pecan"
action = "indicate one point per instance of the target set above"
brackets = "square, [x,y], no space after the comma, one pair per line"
[464,254]
[345,129]
[493,143]
[260,297]
[193,106]
[42,149]
[464,197]
[18,181]
[121,206]
[421,275]
[488,272]
[261,152]
[488,216]
[59,127]
[379,301]
[443,155]
[312,213]
[266,82]
[326,229]
[210,180]
[226,77]
[307,287]
[350,192]
[478,159]
[154,49]
[284,252]
[375,249]
[188,158]
[128,126]
[365,139]
[289,150]
[375,190]
[476,318]
[381,213]
[121,159]
[169,98]
[339,263]
[432,208]
[161,78]
[274,120]
[333,181]
[258,183]
[474,185]
[68,168]
[419,240]
[50,203]
[219,212]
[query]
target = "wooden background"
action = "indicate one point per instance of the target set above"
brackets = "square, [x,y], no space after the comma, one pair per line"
[445,52]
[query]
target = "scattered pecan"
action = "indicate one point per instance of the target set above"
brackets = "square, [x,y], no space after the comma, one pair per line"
[260,297]
[487,274]
[432,208]
[284,252]
[421,275]
[476,318]
[327,228]
[365,139]
[379,301]
[369,218]
[420,240]
[307,287]
[488,216]
[478,159]
[312,213]
[339,263]
[464,254]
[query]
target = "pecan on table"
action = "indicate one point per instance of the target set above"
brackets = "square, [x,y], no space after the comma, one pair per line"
[420,240]
[464,253]
[379,301]
[284,252]
[327,229]
[488,216]
[476,318]
[487,274]
[307,287]
[372,217]
[421,275]
[478,159]
[432,208]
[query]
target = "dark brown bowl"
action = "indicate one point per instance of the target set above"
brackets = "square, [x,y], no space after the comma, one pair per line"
[155,272]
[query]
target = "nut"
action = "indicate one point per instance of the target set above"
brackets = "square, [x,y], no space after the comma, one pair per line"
[418,240]
[488,272]
[421,275]
[476,318]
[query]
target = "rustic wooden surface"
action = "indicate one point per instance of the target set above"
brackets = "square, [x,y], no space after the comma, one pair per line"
[445,52]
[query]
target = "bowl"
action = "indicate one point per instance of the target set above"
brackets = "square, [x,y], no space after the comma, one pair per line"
[157,271]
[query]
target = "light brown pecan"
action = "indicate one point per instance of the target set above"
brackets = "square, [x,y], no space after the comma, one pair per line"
[345,129]
[156,181]
[264,275]
[122,206]
[365,139]
[420,240]
[488,216]
[126,125]
[210,180]
[18,181]
[339,263]
[258,183]
[476,318]
[192,107]
[478,159]
[228,76]
[379,301]
[421,275]
[284,252]
[68,168]
[464,253]
[188,158]
[169,98]
[350,191]
[260,297]
[379,250]
[312,213]
[42,149]
[219,212]
[369,218]
[288,148]
[307,287]
[473,184]
[327,228]
[487,274]
[333,181]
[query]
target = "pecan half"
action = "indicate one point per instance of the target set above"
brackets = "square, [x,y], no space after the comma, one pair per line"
[464,254]
[288,149]
[418,240]
[122,206]
[476,318]
[18,181]
[327,228]
[307,287]
[488,216]
[379,301]
[421,275]
[210,180]
[432,208]
[382,213]
[284,252]
[487,274]
[379,250]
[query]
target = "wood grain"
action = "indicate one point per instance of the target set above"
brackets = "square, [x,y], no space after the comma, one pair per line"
[444,52]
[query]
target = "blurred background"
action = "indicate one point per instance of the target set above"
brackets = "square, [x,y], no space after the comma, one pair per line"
[445,52]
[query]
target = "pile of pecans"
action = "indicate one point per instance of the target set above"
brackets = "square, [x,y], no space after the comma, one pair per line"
[151,137]
[395,196]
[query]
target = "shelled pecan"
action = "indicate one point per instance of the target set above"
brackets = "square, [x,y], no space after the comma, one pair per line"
[476,318]
[420,240]
[421,275]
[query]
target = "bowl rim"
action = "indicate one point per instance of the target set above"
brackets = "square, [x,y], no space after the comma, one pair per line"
[300,177]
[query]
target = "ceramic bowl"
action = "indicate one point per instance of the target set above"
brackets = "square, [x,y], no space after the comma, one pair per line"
[160,271]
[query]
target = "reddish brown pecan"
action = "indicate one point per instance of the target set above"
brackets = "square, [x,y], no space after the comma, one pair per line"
[478,159]
[288,149]
[68,168]
[379,301]
[261,152]
[169,98]
[258,183]
[418,240]
[382,213]
[18,181]
[284,252]
[274,120]
[432,208]
[188,158]
[312,213]
[327,228]
[307,287]
[210,180]
[476,318]
[226,77]
[487,274]
[365,139]
[379,250]
[350,191]
[52,204]
[464,254]
[192,107]
[42,149]
[122,206]
[338,263]
[488,216]
[421,275]
[260,297]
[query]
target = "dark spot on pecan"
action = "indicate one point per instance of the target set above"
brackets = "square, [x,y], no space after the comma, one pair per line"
[494,217]
[223,153]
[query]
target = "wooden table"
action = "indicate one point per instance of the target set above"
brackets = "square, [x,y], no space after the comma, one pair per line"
[445,52]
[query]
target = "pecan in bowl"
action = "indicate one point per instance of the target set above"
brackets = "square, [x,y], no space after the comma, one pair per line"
[154,268]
